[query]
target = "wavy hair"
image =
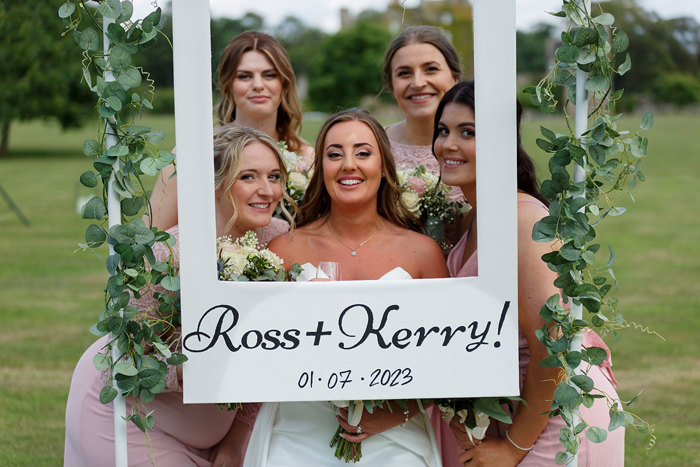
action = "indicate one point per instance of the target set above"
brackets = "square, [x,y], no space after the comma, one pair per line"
[288,123]
[317,201]
[463,93]
[229,142]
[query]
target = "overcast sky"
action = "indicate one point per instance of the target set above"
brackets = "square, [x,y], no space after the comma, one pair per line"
[324,13]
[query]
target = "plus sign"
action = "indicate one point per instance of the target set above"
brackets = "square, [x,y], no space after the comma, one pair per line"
[318,333]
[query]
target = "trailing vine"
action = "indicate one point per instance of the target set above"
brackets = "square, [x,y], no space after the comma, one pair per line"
[610,159]
[123,152]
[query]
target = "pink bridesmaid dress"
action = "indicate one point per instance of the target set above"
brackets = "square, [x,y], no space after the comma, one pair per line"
[610,453]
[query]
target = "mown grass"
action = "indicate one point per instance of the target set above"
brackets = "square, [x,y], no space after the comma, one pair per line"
[50,294]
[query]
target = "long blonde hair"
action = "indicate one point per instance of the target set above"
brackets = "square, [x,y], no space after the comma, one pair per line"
[288,123]
[317,201]
[229,141]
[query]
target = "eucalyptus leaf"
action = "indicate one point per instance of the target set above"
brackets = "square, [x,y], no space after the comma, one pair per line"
[491,407]
[647,121]
[95,236]
[89,40]
[129,78]
[94,209]
[127,11]
[626,66]
[595,355]
[126,368]
[565,394]
[606,19]
[101,361]
[88,179]
[91,148]
[66,9]
[596,435]
[110,8]
[171,283]
[119,58]
[584,382]
[620,42]
[108,394]
[598,83]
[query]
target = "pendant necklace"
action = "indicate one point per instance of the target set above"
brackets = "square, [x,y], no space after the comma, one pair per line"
[353,251]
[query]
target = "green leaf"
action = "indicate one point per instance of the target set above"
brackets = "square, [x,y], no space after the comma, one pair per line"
[108,394]
[544,230]
[598,83]
[88,179]
[567,53]
[573,359]
[126,368]
[561,345]
[110,8]
[132,206]
[127,11]
[149,166]
[647,121]
[150,377]
[66,9]
[561,458]
[91,148]
[95,236]
[129,78]
[547,133]
[606,19]
[620,42]
[626,66]
[119,58]
[565,394]
[491,407]
[114,103]
[583,382]
[588,401]
[595,355]
[171,283]
[550,362]
[596,435]
[94,209]
[617,419]
[89,39]
[585,36]
[118,150]
[101,361]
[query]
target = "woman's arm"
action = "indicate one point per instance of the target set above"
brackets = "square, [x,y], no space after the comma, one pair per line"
[535,286]
[164,200]
[379,420]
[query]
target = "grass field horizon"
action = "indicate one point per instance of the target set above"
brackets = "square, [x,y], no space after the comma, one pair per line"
[50,294]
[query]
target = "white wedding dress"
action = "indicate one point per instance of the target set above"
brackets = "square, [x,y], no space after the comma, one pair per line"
[292,434]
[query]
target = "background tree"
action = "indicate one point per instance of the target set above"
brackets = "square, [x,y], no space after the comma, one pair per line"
[302,42]
[348,66]
[39,76]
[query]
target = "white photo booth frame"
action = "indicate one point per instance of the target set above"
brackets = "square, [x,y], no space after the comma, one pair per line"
[303,341]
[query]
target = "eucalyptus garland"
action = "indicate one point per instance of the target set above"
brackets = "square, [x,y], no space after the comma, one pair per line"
[124,152]
[610,159]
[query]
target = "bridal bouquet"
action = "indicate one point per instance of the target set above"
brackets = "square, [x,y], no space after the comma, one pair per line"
[298,173]
[426,197]
[476,413]
[243,260]
[348,450]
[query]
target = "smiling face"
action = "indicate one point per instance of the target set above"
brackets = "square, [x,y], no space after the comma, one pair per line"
[257,87]
[420,77]
[455,146]
[257,188]
[352,163]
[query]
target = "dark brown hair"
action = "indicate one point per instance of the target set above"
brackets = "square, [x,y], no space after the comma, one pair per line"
[421,35]
[463,93]
[289,111]
[317,201]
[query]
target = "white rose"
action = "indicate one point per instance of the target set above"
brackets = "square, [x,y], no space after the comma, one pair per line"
[402,176]
[298,181]
[430,179]
[412,201]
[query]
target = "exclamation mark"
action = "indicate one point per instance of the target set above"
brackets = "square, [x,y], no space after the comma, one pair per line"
[506,305]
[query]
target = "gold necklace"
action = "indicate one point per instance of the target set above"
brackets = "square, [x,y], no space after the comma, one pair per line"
[353,251]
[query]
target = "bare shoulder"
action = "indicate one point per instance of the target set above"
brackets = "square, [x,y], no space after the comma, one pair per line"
[421,253]
[292,244]
[530,211]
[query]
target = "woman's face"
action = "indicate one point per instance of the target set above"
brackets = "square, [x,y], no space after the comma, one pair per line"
[455,146]
[257,188]
[352,163]
[257,86]
[420,77]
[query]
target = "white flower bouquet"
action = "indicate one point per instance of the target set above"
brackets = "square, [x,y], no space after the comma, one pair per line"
[427,198]
[243,260]
[298,173]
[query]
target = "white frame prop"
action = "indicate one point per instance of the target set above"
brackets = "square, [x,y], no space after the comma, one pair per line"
[264,349]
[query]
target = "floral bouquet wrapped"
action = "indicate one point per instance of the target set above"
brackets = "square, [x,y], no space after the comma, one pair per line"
[348,450]
[243,260]
[298,174]
[476,413]
[427,198]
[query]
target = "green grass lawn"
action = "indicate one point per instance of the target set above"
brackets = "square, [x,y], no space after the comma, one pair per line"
[50,294]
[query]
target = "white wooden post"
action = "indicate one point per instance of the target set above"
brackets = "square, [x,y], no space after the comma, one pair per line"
[580,127]
[114,218]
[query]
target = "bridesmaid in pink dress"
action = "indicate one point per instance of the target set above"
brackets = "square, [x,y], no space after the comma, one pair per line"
[193,434]
[420,66]
[533,439]
[258,90]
